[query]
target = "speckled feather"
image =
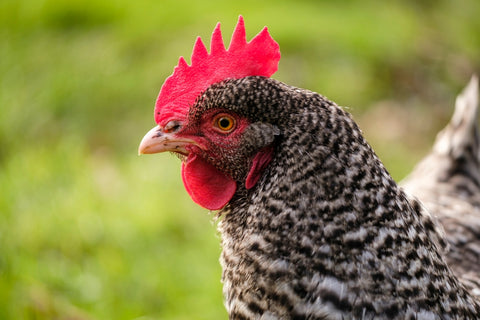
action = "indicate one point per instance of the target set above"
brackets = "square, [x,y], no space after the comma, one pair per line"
[447,181]
[326,233]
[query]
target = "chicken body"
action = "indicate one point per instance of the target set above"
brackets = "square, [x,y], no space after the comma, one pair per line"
[325,232]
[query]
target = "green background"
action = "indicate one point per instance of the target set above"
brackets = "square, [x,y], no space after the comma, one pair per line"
[89,230]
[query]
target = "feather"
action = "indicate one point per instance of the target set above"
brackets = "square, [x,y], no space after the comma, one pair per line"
[447,181]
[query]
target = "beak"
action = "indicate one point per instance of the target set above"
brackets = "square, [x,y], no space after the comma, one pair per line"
[157,140]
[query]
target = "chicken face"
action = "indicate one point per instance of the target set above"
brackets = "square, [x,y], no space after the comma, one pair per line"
[222,144]
[220,150]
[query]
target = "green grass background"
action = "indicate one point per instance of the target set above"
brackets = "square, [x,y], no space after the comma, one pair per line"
[89,230]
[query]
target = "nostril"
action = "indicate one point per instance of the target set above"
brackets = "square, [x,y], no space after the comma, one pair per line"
[172,126]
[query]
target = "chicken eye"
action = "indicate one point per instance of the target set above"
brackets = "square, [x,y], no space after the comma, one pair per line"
[225,123]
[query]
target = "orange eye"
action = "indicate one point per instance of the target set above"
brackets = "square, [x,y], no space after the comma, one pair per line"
[225,123]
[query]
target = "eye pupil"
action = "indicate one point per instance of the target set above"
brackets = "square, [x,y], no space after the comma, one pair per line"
[224,123]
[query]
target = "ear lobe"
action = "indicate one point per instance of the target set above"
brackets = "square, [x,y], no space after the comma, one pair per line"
[261,137]
[259,163]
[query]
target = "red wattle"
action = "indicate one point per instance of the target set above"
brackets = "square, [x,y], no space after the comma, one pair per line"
[205,184]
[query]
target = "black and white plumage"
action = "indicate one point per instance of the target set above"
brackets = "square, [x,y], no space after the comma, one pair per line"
[447,181]
[325,233]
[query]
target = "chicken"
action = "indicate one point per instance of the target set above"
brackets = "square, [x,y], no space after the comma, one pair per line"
[312,224]
[447,182]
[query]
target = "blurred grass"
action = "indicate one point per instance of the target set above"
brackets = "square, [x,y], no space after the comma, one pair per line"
[88,230]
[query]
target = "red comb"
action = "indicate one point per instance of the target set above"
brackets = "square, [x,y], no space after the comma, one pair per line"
[259,57]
